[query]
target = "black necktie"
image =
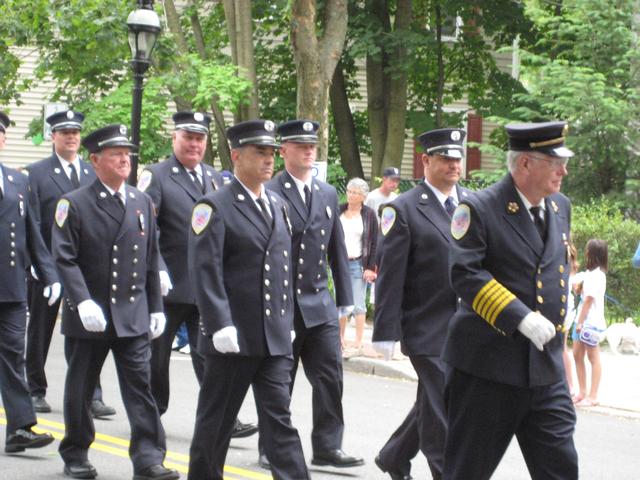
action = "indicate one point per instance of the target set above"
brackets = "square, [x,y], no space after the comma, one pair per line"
[538,221]
[196,180]
[73,176]
[120,200]
[307,198]
[265,211]
[449,206]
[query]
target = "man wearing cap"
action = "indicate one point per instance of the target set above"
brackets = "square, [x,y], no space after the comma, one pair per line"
[386,192]
[317,241]
[49,179]
[175,185]
[20,243]
[106,251]
[414,300]
[240,261]
[509,266]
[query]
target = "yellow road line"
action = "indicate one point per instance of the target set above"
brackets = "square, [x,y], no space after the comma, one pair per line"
[57,430]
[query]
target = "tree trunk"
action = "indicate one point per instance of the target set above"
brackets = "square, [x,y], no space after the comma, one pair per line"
[377,90]
[387,92]
[173,22]
[345,127]
[240,30]
[397,110]
[316,60]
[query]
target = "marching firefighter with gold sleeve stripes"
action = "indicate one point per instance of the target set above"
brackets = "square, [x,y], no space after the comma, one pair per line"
[508,266]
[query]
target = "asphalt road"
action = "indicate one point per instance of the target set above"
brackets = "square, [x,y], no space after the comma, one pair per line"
[608,446]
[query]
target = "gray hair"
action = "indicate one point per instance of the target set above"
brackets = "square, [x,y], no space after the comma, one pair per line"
[513,157]
[359,184]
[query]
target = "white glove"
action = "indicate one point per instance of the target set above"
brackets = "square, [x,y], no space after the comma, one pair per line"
[345,311]
[537,329]
[293,336]
[384,348]
[91,316]
[157,321]
[52,292]
[165,283]
[225,340]
[33,273]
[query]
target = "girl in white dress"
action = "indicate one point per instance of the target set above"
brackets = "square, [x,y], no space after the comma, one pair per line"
[590,323]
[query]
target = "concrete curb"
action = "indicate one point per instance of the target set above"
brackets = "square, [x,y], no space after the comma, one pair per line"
[381,368]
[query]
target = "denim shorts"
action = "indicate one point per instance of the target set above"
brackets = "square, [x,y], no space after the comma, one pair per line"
[358,285]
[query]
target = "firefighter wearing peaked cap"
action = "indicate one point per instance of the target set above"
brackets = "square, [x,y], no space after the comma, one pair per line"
[240,260]
[509,266]
[414,302]
[20,243]
[318,242]
[106,251]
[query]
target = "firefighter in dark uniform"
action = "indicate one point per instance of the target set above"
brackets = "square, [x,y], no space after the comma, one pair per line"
[49,179]
[509,266]
[318,243]
[411,296]
[20,243]
[241,261]
[175,185]
[106,251]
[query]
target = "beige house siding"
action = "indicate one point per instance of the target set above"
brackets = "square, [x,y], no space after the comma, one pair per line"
[20,151]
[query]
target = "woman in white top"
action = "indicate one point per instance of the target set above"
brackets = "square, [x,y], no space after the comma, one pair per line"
[590,323]
[360,234]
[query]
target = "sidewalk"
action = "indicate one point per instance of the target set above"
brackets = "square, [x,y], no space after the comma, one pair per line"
[619,388]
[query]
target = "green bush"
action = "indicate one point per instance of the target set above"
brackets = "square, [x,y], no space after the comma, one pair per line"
[603,218]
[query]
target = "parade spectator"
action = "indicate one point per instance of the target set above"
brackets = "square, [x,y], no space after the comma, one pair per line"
[590,323]
[386,192]
[361,234]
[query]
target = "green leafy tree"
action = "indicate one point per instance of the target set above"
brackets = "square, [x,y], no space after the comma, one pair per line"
[583,69]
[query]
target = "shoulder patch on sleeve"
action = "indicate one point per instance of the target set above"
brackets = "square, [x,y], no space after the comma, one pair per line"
[201,217]
[144,180]
[460,221]
[62,212]
[387,219]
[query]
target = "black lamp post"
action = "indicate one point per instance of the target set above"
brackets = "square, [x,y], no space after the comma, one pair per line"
[144,28]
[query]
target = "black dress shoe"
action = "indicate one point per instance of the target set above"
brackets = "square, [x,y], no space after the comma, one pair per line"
[241,430]
[263,461]
[395,475]
[23,438]
[80,470]
[40,405]
[156,472]
[336,458]
[99,409]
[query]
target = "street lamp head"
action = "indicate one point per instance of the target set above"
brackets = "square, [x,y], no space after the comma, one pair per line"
[144,28]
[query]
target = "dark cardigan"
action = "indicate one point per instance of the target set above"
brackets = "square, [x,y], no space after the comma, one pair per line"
[369,236]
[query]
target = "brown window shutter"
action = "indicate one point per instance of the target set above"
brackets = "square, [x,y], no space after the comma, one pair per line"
[474,134]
